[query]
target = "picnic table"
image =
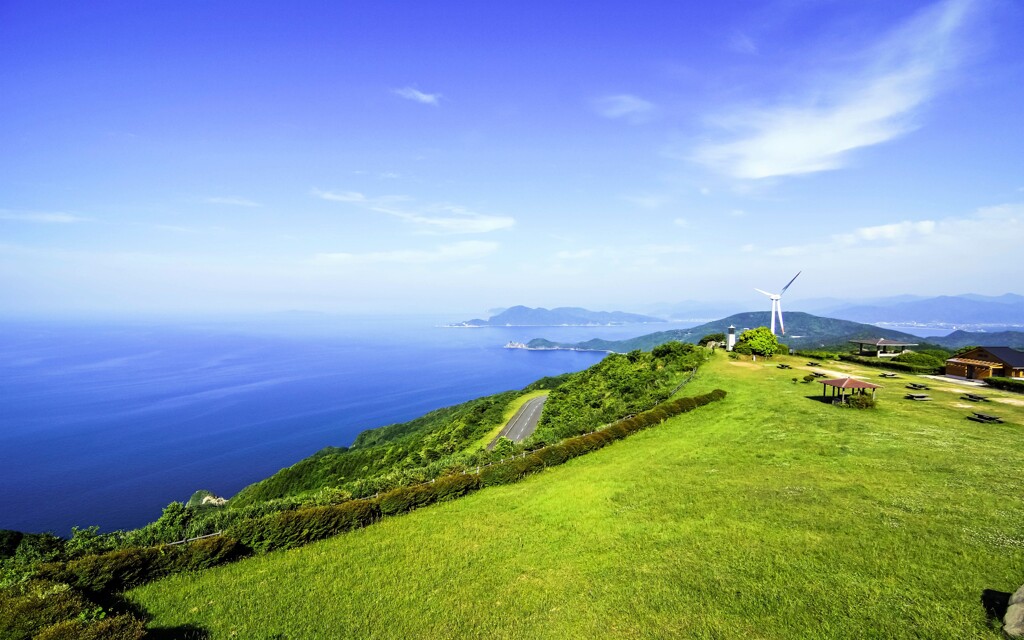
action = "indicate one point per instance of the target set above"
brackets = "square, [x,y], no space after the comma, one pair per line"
[888,375]
[920,397]
[818,374]
[813,364]
[973,397]
[918,387]
[785,366]
[985,418]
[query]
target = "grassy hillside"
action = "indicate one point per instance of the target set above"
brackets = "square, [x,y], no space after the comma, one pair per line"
[768,515]
[442,441]
[803,330]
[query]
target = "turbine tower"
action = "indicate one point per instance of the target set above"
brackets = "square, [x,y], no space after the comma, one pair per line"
[776,299]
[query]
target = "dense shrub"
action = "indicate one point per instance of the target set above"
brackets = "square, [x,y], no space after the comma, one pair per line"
[1007,384]
[294,528]
[27,608]
[9,541]
[123,627]
[919,359]
[453,486]
[860,401]
[116,571]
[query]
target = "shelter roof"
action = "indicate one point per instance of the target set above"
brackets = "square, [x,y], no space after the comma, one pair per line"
[850,383]
[884,342]
[988,364]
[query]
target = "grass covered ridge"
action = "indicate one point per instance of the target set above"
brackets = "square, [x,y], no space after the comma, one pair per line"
[765,515]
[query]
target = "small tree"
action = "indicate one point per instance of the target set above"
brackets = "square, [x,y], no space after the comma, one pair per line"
[760,341]
[711,337]
[504,447]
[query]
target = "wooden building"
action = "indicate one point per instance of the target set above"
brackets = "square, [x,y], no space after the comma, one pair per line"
[985,362]
[881,347]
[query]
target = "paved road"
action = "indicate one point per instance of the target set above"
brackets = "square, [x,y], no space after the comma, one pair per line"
[523,423]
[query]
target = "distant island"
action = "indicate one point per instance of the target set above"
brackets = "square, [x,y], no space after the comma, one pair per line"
[803,331]
[520,316]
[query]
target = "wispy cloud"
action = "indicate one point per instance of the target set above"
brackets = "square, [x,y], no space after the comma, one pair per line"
[902,73]
[624,106]
[742,43]
[441,218]
[409,93]
[456,252]
[235,202]
[934,236]
[40,217]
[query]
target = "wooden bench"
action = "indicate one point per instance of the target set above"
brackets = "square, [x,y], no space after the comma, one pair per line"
[985,418]
[920,397]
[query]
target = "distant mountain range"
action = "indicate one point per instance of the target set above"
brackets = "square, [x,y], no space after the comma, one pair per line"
[969,309]
[520,316]
[803,330]
[966,310]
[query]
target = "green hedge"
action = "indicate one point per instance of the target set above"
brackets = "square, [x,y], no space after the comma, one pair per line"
[294,528]
[1007,384]
[125,568]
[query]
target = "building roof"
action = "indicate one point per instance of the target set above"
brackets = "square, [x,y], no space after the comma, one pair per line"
[977,363]
[850,383]
[1007,355]
[883,342]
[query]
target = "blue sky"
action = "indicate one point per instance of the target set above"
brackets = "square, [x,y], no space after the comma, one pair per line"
[458,156]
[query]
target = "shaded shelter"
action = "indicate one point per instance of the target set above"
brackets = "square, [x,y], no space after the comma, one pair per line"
[840,386]
[881,347]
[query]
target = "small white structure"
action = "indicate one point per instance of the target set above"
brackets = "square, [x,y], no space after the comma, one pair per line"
[730,339]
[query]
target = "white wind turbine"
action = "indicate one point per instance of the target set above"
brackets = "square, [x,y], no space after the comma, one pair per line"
[776,299]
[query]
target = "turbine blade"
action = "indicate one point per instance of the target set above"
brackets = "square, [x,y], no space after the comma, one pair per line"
[790,282]
[764,292]
[778,307]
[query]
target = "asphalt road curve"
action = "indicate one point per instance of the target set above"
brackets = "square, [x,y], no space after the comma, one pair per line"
[523,423]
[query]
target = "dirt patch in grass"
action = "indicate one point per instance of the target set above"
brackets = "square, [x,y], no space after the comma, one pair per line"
[1017,402]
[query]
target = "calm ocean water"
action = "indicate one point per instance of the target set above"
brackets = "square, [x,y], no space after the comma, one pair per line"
[105,425]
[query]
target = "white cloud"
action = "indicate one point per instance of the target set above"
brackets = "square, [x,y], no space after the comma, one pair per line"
[41,217]
[625,106]
[416,95]
[681,222]
[456,252]
[236,202]
[742,43]
[995,230]
[877,104]
[439,218]
[896,232]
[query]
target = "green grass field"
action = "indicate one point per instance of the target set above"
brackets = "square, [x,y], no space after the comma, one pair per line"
[766,515]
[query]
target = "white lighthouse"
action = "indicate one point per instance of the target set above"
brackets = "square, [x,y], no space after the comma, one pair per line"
[730,338]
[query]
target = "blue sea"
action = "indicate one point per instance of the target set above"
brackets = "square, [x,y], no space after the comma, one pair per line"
[105,424]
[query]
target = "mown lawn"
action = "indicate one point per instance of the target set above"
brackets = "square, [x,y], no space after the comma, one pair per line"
[767,515]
